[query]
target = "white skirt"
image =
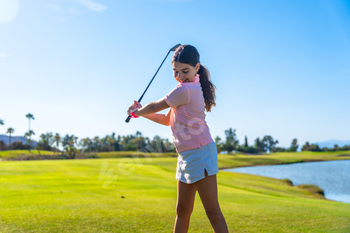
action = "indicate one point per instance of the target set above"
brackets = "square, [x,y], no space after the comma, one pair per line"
[192,164]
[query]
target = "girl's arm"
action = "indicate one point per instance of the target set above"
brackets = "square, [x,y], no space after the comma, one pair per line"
[150,109]
[163,119]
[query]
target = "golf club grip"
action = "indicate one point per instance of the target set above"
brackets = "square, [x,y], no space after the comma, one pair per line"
[128,119]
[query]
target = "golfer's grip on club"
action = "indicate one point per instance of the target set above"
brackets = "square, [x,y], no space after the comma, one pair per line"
[172,49]
[129,117]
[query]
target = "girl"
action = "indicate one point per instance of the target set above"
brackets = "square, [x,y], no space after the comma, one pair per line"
[197,161]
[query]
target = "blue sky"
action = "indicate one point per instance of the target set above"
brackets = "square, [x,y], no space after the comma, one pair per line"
[281,68]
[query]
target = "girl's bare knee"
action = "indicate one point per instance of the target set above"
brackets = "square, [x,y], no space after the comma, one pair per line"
[183,210]
[214,215]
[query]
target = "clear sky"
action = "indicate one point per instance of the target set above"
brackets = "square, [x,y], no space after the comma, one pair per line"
[281,68]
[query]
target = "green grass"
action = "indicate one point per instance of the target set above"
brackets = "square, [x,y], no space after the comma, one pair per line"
[129,154]
[67,196]
[226,160]
[18,153]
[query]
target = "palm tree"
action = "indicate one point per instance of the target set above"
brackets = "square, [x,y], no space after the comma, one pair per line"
[75,140]
[96,143]
[26,135]
[111,142]
[29,135]
[10,131]
[47,140]
[103,143]
[57,139]
[70,148]
[43,143]
[86,144]
[30,116]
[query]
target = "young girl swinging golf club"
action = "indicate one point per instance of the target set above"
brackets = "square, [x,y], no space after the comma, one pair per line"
[197,160]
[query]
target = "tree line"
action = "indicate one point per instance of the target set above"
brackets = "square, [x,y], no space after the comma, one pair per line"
[266,144]
[71,145]
[261,145]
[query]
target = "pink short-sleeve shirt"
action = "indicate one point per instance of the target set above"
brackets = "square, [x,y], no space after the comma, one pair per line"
[187,116]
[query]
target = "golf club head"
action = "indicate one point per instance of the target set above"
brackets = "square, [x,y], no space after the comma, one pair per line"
[175,47]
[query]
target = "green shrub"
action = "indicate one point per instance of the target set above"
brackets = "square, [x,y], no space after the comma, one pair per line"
[249,149]
[93,156]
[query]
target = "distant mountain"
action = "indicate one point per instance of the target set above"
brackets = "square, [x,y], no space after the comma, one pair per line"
[331,143]
[6,139]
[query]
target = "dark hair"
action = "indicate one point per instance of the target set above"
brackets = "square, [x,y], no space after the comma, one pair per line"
[188,54]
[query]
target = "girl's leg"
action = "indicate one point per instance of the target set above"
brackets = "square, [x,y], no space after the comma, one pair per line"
[185,201]
[207,190]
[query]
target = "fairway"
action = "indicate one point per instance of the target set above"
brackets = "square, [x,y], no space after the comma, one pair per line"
[71,196]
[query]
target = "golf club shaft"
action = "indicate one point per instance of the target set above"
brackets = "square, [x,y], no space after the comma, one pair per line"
[153,77]
[129,117]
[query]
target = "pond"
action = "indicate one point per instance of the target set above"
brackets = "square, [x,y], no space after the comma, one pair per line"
[332,176]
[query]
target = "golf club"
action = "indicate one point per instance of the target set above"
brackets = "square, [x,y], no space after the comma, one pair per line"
[172,49]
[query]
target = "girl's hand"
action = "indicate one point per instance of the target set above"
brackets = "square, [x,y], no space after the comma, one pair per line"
[134,107]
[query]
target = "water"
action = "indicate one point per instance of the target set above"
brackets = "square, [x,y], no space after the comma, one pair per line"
[332,176]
